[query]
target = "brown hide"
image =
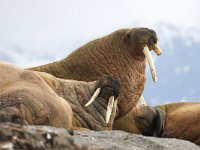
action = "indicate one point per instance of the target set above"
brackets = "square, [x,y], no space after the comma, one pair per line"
[118,54]
[78,93]
[25,98]
[30,97]
[182,121]
[142,120]
[176,120]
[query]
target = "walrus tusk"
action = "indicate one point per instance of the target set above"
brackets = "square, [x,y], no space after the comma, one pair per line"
[142,100]
[96,93]
[151,63]
[115,105]
[113,112]
[157,50]
[109,108]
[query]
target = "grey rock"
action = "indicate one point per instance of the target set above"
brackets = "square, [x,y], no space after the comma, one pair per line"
[44,137]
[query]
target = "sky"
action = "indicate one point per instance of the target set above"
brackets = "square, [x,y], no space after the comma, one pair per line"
[34,32]
[37,20]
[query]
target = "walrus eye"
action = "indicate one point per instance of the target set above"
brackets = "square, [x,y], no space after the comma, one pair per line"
[16,119]
[141,118]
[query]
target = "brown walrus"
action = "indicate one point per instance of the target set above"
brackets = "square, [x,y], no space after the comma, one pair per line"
[120,54]
[177,120]
[31,97]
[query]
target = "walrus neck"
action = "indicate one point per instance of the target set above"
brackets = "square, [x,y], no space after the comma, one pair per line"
[128,66]
[139,56]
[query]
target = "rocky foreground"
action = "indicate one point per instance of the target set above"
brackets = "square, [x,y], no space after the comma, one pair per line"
[43,137]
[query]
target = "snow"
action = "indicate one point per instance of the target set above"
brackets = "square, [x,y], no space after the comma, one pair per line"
[38,32]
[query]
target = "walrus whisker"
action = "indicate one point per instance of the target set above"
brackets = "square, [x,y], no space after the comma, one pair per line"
[95,95]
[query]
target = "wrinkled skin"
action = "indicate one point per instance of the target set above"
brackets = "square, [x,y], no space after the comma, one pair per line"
[36,98]
[182,120]
[119,54]
[176,120]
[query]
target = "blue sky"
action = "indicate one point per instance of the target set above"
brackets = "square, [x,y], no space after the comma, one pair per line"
[34,32]
[37,20]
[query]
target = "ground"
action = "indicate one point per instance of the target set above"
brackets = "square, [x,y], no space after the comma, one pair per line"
[44,137]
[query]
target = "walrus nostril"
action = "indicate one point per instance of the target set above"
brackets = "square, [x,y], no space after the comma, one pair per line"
[151,42]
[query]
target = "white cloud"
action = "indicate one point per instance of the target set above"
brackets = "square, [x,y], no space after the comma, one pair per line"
[36,19]
[186,69]
[50,25]
[183,99]
[177,70]
[182,69]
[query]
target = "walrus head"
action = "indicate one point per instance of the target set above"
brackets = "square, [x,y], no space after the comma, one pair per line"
[149,121]
[144,40]
[109,89]
[143,120]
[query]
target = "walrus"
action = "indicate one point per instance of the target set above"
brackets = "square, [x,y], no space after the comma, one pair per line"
[176,120]
[120,54]
[31,97]
[36,98]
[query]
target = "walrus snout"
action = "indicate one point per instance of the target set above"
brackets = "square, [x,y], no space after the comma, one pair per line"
[149,120]
[110,86]
[107,88]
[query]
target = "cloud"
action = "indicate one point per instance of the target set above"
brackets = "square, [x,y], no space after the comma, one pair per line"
[38,32]
[24,20]
[183,69]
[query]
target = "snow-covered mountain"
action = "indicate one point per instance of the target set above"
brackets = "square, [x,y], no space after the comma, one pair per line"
[178,68]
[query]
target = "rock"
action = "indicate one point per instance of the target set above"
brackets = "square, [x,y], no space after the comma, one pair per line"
[44,137]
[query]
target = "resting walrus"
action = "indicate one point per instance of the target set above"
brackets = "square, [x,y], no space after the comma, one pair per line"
[120,54]
[30,97]
[176,120]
